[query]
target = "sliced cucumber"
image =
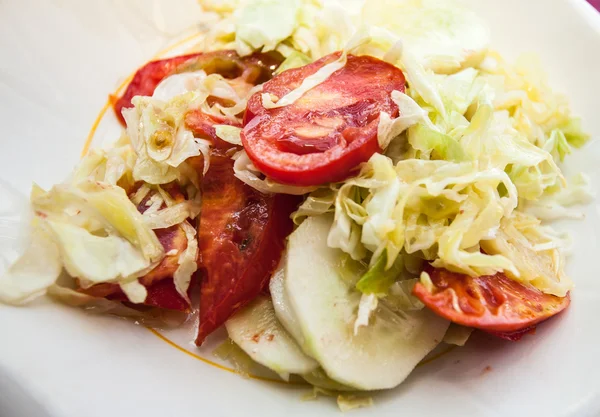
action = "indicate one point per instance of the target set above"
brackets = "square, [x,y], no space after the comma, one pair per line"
[286,317]
[380,355]
[257,331]
[282,305]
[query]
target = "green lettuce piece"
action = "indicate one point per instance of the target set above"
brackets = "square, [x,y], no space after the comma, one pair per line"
[377,280]
[294,60]
[442,146]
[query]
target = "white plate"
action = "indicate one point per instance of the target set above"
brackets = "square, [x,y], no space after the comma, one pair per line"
[61,58]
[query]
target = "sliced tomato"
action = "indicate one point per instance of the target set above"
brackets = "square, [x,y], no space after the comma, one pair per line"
[254,69]
[494,303]
[330,130]
[158,282]
[202,125]
[516,335]
[161,294]
[241,235]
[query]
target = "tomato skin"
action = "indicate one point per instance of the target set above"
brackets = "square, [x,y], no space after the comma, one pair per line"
[241,236]
[202,125]
[161,294]
[330,130]
[516,335]
[241,241]
[494,303]
[146,79]
[253,69]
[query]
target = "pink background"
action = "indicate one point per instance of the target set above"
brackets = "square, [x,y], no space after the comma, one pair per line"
[595,3]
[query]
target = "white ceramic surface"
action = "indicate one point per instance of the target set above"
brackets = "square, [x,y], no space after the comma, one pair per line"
[59,61]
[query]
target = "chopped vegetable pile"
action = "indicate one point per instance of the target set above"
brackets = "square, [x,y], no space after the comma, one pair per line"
[341,188]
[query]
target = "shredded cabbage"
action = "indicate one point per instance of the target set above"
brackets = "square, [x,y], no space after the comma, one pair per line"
[294,59]
[230,134]
[263,24]
[320,201]
[187,262]
[161,140]
[92,230]
[441,209]
[442,35]
[97,208]
[171,216]
[535,251]
[433,144]
[354,44]
[94,259]
[34,271]
[247,173]
[559,205]
[351,402]
[308,83]
[312,28]
[134,290]
[410,113]
[367,305]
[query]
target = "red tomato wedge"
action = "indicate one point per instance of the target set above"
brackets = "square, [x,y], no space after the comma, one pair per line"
[494,303]
[330,130]
[161,294]
[158,282]
[253,69]
[203,126]
[241,237]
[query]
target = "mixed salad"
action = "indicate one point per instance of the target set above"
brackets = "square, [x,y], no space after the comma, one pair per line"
[343,187]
